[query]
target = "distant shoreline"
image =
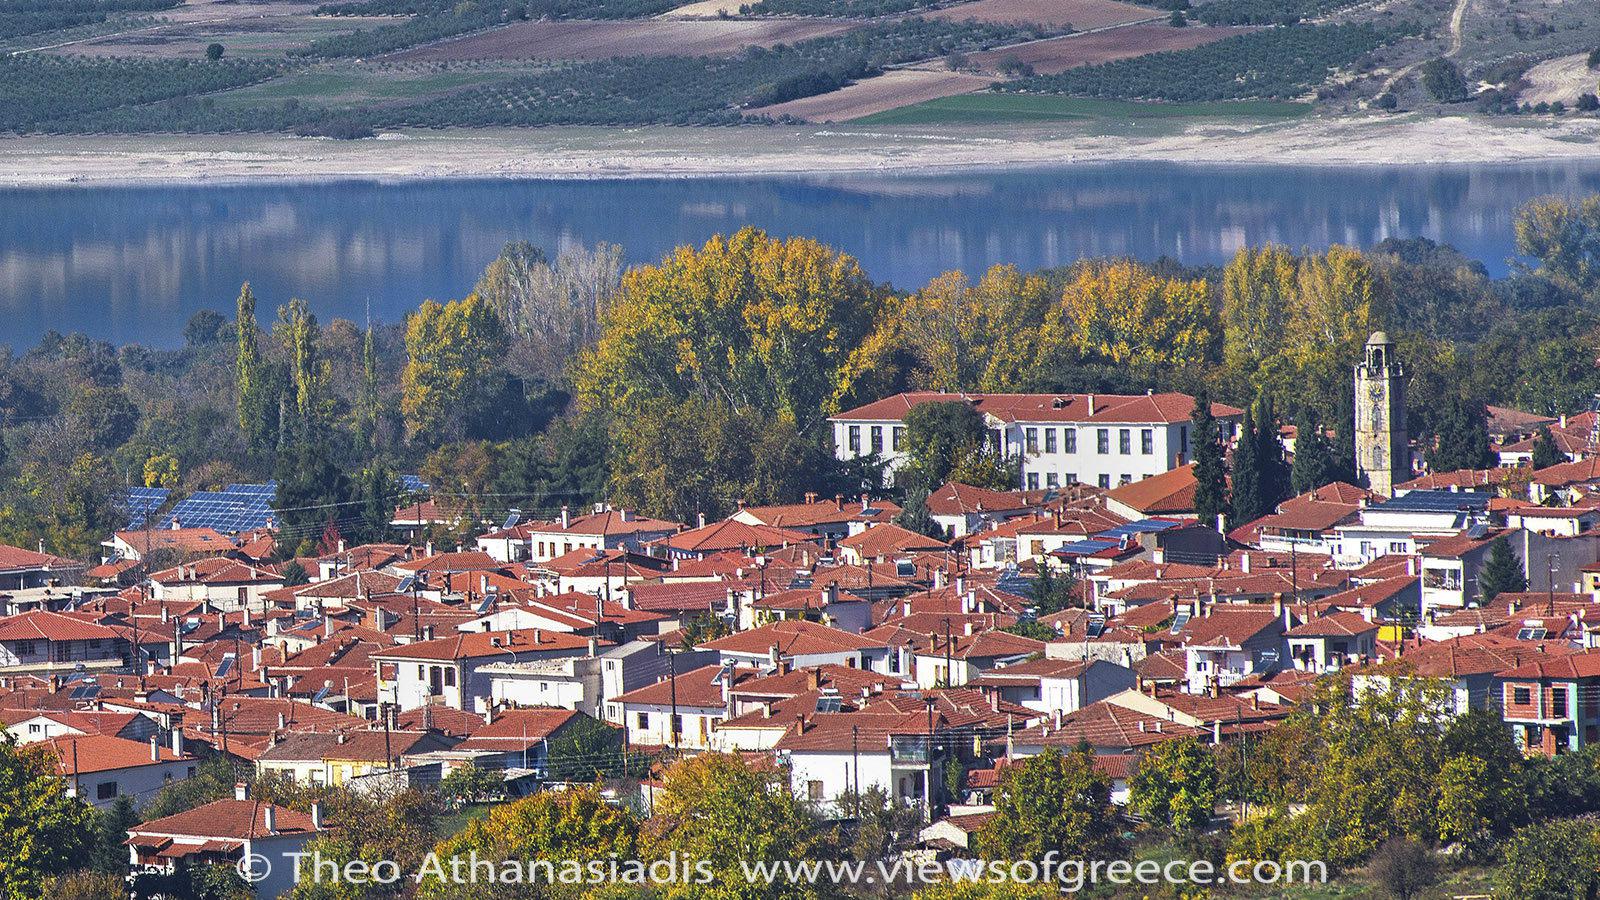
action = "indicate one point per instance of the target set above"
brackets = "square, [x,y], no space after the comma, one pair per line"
[667,152]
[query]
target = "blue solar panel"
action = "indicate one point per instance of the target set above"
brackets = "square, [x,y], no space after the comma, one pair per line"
[1084,548]
[1436,501]
[1142,526]
[141,502]
[413,484]
[238,507]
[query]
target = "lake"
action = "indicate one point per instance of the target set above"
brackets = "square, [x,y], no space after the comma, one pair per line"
[130,264]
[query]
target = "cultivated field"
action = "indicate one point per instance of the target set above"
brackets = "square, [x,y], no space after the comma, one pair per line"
[703,9]
[890,90]
[1083,15]
[604,40]
[264,36]
[1054,55]
[1560,79]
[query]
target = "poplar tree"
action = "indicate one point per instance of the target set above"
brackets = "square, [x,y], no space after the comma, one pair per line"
[1246,495]
[254,398]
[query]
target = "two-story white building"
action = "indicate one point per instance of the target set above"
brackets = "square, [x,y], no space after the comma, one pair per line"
[1061,439]
[1399,525]
[451,670]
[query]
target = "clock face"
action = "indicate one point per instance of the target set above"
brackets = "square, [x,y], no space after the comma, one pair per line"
[1375,391]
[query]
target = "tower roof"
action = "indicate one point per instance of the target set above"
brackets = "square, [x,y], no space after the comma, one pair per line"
[1379,337]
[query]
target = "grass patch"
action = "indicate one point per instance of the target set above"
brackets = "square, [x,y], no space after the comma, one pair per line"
[985,108]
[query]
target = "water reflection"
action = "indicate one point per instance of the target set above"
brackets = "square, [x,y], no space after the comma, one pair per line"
[131,264]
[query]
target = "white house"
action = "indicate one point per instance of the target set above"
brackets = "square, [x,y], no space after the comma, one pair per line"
[224,832]
[682,710]
[100,768]
[449,670]
[1061,439]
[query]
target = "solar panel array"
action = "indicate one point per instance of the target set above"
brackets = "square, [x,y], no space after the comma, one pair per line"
[140,503]
[1436,501]
[235,508]
[413,484]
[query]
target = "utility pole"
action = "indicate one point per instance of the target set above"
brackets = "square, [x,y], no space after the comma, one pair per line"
[672,678]
[855,767]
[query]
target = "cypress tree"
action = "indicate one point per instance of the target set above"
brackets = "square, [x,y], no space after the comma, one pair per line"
[1502,571]
[1545,451]
[1273,483]
[1314,465]
[1246,495]
[1211,492]
[1461,439]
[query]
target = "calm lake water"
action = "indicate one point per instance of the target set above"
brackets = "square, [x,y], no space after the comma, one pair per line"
[132,263]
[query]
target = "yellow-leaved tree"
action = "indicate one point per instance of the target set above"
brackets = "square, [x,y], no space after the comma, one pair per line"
[966,336]
[1258,290]
[452,371]
[1121,312]
[746,320]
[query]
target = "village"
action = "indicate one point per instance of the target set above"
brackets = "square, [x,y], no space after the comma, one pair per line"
[1100,606]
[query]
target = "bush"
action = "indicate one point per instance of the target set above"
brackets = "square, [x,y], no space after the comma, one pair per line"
[1588,103]
[1404,868]
[1551,861]
[214,52]
[1177,19]
[1594,58]
[1387,100]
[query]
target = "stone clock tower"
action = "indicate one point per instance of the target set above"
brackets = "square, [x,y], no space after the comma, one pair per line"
[1383,453]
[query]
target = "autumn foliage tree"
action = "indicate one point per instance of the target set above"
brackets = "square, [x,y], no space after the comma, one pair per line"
[1053,801]
[452,372]
[43,831]
[1123,313]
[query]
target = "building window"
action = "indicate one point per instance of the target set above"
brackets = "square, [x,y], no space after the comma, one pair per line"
[877,439]
[855,439]
[450,677]
[1030,437]
[1124,441]
[1105,481]
[1033,481]
[677,724]
[642,721]
[24,648]
[1558,703]
[896,437]
[1049,440]
[1147,441]
[1125,479]
[1072,478]
[105,790]
[1071,437]
[1183,438]
[1052,480]
[1102,440]
[1521,696]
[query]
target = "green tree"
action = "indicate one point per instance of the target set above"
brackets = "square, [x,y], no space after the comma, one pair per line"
[257,406]
[1258,289]
[1210,472]
[452,373]
[1502,571]
[368,410]
[576,825]
[1557,860]
[204,328]
[1054,591]
[1245,493]
[294,574]
[1175,787]
[1562,235]
[214,52]
[43,831]
[1443,81]
[1545,451]
[308,373]
[720,809]
[1314,463]
[1462,438]
[398,826]
[1052,801]
[470,783]
[375,493]
[938,437]
[583,749]
[111,824]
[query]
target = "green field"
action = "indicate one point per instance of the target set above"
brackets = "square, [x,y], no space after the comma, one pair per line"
[986,108]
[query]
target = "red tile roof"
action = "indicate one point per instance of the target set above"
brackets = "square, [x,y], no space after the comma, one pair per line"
[1110,408]
[89,753]
[1170,492]
[235,819]
[793,637]
[481,644]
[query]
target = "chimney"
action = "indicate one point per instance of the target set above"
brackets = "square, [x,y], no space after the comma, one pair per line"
[316,815]
[341,545]
[1244,562]
[566,516]
[961,585]
[155,748]
[340,738]
[283,721]
[967,629]
[1222,523]
[177,739]
[700,519]
[241,791]
[594,646]
[772,656]
[427,549]
[488,713]
[1055,719]
[1090,398]
[1216,732]
[1216,689]
[269,818]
